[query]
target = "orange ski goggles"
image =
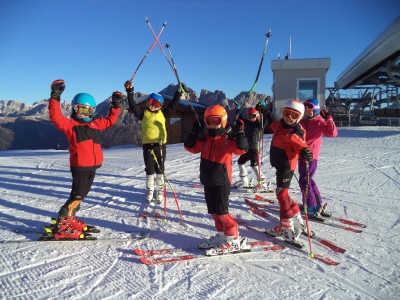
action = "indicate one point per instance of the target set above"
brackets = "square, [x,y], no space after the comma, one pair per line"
[291,113]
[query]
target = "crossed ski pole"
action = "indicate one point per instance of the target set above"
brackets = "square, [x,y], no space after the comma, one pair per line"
[258,75]
[173,67]
[148,51]
[165,191]
[159,45]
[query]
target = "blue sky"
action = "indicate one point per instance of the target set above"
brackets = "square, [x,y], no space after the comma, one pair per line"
[95,45]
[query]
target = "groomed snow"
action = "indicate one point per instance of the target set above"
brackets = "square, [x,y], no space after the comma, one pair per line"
[358,175]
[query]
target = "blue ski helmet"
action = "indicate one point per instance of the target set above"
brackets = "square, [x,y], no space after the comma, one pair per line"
[157,98]
[83,99]
[312,104]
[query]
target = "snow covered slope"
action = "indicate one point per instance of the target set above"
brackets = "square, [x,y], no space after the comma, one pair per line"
[358,174]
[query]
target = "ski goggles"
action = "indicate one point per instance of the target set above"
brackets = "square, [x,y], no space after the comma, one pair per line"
[291,113]
[155,103]
[214,121]
[83,110]
[252,116]
[310,106]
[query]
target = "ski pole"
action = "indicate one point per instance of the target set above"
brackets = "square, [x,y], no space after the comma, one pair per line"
[169,183]
[258,74]
[259,160]
[165,185]
[262,137]
[177,78]
[159,45]
[148,52]
[173,67]
[305,195]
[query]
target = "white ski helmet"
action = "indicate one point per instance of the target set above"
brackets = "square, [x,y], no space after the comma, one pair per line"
[295,105]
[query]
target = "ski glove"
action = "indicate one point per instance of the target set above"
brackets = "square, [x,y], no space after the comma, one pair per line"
[197,127]
[261,105]
[306,154]
[238,126]
[128,86]
[325,113]
[57,87]
[183,87]
[116,99]
[236,105]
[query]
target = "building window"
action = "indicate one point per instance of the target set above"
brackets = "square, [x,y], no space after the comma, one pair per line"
[307,89]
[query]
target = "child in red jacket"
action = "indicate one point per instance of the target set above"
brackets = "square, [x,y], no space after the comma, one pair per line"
[287,144]
[83,134]
[216,148]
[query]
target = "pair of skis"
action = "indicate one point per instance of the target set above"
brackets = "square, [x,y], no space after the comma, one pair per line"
[322,241]
[146,256]
[330,221]
[141,235]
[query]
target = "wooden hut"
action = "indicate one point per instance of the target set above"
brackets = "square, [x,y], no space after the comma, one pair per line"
[181,121]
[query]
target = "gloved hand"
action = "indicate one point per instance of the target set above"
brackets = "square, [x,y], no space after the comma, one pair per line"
[261,105]
[116,99]
[128,86]
[238,126]
[57,87]
[325,113]
[306,154]
[196,127]
[236,105]
[183,87]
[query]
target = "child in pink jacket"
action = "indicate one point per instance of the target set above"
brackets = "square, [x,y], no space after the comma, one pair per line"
[316,123]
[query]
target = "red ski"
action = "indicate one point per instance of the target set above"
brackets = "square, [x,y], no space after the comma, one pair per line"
[258,197]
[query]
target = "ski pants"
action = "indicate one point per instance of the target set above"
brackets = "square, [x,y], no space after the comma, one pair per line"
[81,183]
[150,162]
[217,200]
[252,155]
[313,196]
[287,206]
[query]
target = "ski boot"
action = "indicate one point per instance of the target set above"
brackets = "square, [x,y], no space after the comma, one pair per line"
[287,232]
[312,213]
[75,221]
[231,244]
[66,229]
[160,188]
[322,211]
[244,181]
[149,188]
[69,233]
[300,225]
[213,241]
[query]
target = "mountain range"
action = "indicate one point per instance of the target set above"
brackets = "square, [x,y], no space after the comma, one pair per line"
[28,127]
